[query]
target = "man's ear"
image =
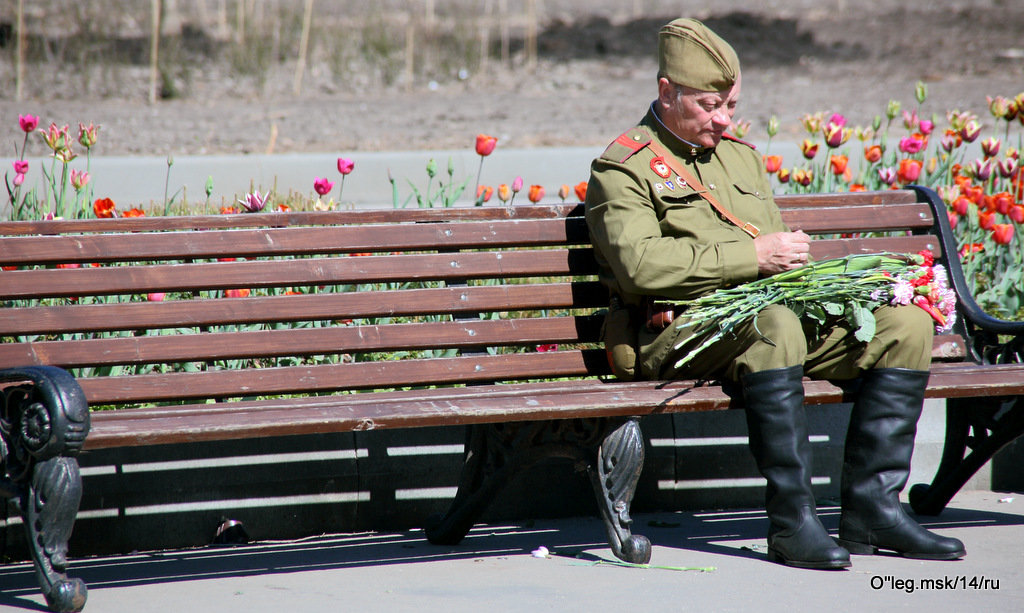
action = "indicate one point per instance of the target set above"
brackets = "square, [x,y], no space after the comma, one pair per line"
[666,92]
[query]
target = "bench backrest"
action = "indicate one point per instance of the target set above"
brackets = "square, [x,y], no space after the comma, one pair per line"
[284,303]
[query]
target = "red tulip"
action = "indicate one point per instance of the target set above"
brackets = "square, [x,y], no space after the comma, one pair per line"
[1002,202]
[581,190]
[772,163]
[986,220]
[1002,233]
[961,206]
[485,144]
[104,207]
[1017,213]
[134,212]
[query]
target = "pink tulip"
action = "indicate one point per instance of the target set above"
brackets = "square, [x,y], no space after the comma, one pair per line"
[926,126]
[911,145]
[156,297]
[990,147]
[517,185]
[345,165]
[79,179]
[20,166]
[28,123]
[19,178]
[254,202]
[322,186]
[981,169]
[87,135]
[971,131]
[1007,167]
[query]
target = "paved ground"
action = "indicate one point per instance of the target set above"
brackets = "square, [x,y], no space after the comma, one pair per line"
[494,570]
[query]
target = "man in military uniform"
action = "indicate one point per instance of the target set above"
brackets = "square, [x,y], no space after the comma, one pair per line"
[677,209]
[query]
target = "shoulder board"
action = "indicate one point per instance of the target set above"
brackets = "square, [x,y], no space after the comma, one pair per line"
[628,143]
[736,140]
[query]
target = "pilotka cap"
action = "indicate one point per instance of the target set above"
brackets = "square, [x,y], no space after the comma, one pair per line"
[690,54]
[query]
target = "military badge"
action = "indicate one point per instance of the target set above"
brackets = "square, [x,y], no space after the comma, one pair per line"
[660,168]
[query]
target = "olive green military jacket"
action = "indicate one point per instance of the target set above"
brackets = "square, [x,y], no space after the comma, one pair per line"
[654,235]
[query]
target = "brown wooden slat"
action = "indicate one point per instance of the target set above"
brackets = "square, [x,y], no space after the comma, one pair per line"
[134,247]
[331,340]
[289,273]
[480,405]
[901,196]
[872,218]
[305,307]
[333,377]
[823,249]
[384,214]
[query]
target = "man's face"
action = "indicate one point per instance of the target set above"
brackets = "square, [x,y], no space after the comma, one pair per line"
[697,116]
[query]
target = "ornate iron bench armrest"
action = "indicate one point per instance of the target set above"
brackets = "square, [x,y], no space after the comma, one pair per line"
[43,424]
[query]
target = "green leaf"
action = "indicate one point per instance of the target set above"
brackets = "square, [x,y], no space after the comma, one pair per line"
[834,308]
[863,321]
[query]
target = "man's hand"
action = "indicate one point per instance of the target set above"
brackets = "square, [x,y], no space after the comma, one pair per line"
[781,251]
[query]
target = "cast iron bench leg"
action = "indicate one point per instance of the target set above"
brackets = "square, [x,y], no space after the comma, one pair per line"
[611,450]
[976,428]
[43,425]
[615,475]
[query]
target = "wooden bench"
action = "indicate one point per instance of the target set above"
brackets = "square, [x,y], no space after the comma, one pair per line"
[489,317]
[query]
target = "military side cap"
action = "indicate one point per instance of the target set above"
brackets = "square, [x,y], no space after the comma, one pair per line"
[690,54]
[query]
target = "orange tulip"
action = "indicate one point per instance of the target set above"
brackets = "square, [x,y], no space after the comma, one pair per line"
[134,212]
[504,192]
[838,163]
[563,192]
[857,187]
[536,193]
[483,193]
[873,153]
[104,208]
[236,293]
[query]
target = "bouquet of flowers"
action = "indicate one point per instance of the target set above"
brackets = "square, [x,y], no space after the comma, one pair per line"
[850,287]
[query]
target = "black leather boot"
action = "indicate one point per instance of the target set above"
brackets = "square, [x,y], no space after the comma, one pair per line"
[777,427]
[876,467]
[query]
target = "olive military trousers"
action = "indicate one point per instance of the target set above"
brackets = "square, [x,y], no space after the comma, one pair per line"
[780,339]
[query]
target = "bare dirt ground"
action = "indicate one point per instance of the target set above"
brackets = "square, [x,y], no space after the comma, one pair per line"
[594,78]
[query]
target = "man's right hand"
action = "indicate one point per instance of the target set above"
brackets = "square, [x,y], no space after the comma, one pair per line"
[781,251]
